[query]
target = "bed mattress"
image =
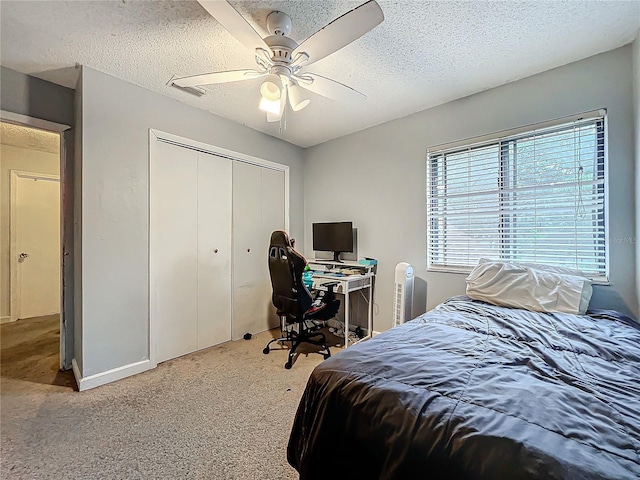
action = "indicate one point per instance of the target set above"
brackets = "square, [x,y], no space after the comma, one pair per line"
[471,390]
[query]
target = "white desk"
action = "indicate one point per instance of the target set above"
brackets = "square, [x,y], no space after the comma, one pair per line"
[346,284]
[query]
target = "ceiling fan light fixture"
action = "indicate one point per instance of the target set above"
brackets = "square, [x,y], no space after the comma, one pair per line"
[270,88]
[269,106]
[299,106]
[295,101]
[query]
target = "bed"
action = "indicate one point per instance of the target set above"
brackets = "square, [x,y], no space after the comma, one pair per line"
[474,390]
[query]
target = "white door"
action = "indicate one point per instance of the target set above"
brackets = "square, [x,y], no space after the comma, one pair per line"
[214,250]
[273,218]
[36,252]
[258,209]
[190,250]
[173,250]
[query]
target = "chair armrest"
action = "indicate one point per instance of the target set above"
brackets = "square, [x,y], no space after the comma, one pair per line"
[329,286]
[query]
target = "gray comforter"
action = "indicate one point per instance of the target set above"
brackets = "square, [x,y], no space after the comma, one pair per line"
[470,390]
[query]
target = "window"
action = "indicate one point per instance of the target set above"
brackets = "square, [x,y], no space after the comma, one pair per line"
[530,196]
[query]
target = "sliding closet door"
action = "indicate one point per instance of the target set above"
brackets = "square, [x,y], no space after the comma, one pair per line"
[173,250]
[211,219]
[190,250]
[214,250]
[258,209]
[248,257]
[273,218]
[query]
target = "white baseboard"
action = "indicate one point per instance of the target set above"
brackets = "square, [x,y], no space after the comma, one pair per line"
[92,381]
[8,319]
[76,371]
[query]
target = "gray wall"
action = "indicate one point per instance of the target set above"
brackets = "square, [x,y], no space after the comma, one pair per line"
[377,177]
[116,117]
[26,95]
[636,117]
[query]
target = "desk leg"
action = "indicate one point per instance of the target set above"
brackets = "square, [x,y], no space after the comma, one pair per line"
[346,318]
[370,312]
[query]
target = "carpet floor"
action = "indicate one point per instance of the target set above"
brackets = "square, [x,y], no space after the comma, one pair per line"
[221,413]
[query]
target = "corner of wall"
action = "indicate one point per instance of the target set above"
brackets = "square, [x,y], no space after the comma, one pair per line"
[636,137]
[77,229]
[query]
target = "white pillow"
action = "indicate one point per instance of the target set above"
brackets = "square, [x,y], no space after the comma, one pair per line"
[547,268]
[540,288]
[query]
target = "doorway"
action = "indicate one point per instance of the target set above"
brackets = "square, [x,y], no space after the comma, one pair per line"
[35,244]
[30,282]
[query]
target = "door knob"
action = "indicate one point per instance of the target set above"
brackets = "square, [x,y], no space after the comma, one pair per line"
[23,255]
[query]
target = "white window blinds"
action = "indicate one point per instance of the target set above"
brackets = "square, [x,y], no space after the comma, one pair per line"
[536,196]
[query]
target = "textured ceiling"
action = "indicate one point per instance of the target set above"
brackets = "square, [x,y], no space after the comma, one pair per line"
[30,138]
[423,54]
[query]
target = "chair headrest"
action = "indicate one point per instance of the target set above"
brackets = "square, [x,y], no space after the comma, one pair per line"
[279,238]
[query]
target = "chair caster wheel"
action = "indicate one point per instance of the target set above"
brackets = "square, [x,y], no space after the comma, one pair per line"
[288,365]
[266,350]
[326,355]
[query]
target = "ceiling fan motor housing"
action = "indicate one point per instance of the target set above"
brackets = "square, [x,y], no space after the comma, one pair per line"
[281,48]
[279,23]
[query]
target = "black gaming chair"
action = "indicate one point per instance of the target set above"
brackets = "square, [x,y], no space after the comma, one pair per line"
[297,309]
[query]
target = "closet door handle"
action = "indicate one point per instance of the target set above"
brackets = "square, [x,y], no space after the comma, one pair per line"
[248,249]
[215,250]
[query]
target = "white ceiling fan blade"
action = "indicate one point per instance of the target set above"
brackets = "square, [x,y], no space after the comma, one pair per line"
[235,23]
[329,88]
[218,77]
[341,32]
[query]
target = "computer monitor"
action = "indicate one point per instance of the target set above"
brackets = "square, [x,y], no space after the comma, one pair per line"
[336,237]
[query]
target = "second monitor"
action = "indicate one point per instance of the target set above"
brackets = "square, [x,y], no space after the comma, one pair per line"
[335,237]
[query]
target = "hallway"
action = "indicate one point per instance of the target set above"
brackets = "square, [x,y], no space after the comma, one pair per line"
[30,352]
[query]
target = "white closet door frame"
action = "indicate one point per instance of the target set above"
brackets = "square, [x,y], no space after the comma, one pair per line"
[156,136]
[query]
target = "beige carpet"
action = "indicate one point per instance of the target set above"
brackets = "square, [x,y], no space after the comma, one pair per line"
[222,413]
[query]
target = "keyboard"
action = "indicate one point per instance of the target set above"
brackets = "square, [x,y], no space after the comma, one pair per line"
[328,275]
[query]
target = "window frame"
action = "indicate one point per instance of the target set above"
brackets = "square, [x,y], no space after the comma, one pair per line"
[503,140]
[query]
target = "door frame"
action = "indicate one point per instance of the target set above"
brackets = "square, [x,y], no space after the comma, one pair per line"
[66,231]
[156,136]
[15,273]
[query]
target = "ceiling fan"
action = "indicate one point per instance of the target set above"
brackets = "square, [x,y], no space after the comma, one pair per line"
[280,59]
